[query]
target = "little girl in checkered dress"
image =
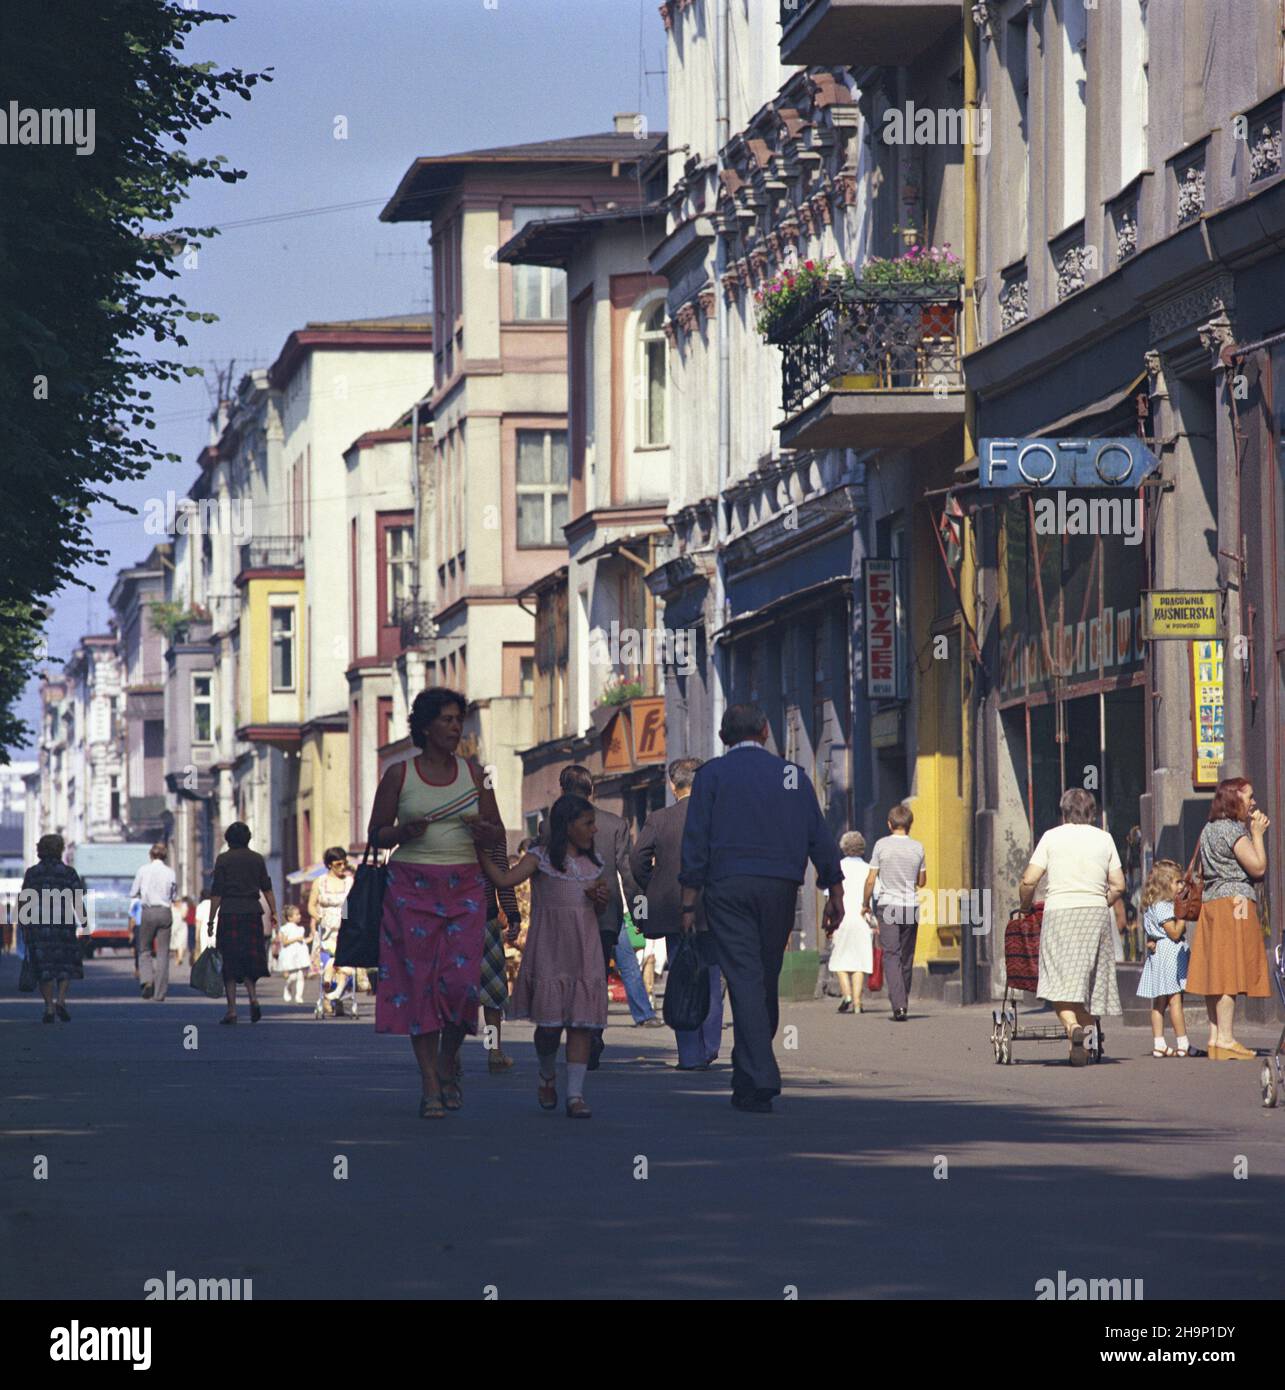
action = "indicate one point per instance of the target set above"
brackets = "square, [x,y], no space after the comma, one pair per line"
[1164,976]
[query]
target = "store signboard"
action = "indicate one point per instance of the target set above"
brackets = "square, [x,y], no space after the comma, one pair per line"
[883,647]
[1206,711]
[1184,614]
[636,735]
[1064,463]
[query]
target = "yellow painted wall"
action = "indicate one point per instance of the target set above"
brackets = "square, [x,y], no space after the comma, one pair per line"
[323,790]
[256,647]
[942,823]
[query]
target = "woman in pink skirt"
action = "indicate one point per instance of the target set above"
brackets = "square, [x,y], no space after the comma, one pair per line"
[436,810]
[560,982]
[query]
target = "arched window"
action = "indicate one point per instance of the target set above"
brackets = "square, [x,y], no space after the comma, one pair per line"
[653,377]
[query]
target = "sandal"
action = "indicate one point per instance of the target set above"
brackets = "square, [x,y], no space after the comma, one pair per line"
[498,1061]
[578,1110]
[1166,1052]
[452,1094]
[228,1018]
[1079,1053]
[431,1108]
[547,1093]
[256,1013]
[61,1010]
[48,1016]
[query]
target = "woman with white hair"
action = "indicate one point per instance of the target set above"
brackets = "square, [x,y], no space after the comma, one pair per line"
[1085,880]
[852,954]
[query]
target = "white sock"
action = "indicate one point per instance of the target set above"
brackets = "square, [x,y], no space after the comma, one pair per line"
[1183,1044]
[1158,1044]
[575,1079]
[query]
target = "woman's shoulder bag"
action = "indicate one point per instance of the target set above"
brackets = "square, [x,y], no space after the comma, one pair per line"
[1190,891]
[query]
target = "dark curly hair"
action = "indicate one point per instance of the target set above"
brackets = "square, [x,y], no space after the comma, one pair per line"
[428,705]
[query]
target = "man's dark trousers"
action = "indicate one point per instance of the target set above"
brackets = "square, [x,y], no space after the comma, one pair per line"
[898,931]
[751,917]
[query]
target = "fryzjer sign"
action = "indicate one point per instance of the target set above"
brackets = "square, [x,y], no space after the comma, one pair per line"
[1186,614]
[883,657]
[1059,463]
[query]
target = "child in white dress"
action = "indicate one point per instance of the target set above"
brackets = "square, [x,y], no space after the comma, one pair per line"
[295,954]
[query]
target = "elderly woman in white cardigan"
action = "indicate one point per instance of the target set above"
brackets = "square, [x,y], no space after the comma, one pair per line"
[852,955]
[1085,879]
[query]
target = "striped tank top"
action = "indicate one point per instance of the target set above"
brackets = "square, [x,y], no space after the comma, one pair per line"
[447,839]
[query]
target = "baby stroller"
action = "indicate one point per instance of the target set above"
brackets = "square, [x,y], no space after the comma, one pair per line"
[344,1000]
[1272,1076]
[1022,972]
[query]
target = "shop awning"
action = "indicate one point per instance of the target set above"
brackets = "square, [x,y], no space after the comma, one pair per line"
[745,623]
[1074,422]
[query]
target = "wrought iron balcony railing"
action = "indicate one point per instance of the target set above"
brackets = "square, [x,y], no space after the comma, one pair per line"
[273,552]
[874,339]
[416,623]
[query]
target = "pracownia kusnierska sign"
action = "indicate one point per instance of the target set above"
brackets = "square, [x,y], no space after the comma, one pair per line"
[1185,614]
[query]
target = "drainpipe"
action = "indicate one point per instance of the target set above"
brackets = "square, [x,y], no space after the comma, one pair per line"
[418,506]
[723,133]
[978,712]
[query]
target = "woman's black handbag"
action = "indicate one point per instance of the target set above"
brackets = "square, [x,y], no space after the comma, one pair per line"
[27,971]
[686,987]
[207,973]
[358,943]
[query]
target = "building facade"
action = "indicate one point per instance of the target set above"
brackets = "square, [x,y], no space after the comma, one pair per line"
[500,481]
[1130,289]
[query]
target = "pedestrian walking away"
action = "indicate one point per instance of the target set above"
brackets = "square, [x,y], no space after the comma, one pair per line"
[1077,957]
[436,814]
[655,862]
[899,868]
[559,984]
[752,825]
[240,875]
[852,946]
[1164,971]
[51,906]
[155,887]
[1227,953]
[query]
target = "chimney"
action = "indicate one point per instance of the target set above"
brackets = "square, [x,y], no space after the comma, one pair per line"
[627,122]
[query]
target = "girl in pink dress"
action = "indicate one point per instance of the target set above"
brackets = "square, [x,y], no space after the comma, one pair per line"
[560,983]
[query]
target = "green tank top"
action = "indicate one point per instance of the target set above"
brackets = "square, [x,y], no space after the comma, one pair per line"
[447,839]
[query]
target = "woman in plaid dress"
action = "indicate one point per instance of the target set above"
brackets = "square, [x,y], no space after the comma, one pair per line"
[1085,878]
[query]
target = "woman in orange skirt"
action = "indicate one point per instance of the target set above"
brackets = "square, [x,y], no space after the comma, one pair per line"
[1227,954]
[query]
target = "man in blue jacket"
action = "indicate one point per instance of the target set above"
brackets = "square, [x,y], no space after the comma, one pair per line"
[752,825]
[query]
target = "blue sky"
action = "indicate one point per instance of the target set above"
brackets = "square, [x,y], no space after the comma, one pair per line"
[412,77]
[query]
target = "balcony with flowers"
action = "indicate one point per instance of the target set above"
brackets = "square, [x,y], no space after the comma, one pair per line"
[870,358]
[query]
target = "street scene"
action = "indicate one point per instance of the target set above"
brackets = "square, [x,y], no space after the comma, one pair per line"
[718,567]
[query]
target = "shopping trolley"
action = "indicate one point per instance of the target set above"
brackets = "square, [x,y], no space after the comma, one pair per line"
[1272,1075]
[1022,971]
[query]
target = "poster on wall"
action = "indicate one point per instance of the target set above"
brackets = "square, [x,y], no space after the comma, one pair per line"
[1206,711]
[883,654]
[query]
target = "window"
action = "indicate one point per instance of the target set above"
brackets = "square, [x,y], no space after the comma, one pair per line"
[283,647]
[541,487]
[1074,109]
[517,669]
[539,292]
[153,738]
[526,676]
[202,709]
[115,797]
[397,558]
[1135,66]
[653,365]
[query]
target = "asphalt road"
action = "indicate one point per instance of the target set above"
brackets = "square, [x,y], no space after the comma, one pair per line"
[901,1162]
